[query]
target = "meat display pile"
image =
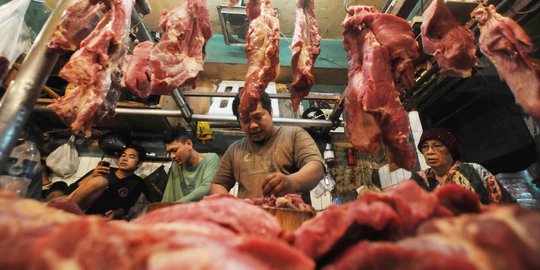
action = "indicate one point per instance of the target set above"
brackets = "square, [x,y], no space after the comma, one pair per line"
[506,45]
[95,68]
[374,114]
[225,210]
[39,237]
[408,228]
[262,49]
[402,228]
[450,43]
[305,49]
[178,57]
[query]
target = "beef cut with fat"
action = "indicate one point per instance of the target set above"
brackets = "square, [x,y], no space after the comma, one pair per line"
[305,49]
[374,114]
[178,57]
[137,71]
[396,35]
[450,43]
[225,210]
[262,49]
[77,22]
[506,45]
[94,70]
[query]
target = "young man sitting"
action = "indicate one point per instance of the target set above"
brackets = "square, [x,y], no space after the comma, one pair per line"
[111,191]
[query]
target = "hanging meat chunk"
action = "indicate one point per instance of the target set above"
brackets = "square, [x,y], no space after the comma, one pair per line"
[450,43]
[137,70]
[506,45]
[77,23]
[396,35]
[262,49]
[374,114]
[305,49]
[94,69]
[178,57]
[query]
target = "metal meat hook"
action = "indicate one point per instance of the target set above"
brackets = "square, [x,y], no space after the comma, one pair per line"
[346,6]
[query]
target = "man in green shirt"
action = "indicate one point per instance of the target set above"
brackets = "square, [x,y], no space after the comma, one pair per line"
[192,172]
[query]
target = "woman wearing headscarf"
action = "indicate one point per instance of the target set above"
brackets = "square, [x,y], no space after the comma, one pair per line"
[441,151]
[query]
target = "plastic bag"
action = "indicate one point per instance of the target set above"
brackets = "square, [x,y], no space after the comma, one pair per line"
[64,160]
[156,183]
[16,37]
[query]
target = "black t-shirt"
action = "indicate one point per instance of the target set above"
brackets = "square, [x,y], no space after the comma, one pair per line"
[120,193]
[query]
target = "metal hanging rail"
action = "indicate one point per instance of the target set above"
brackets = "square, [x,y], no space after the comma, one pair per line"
[278,95]
[207,118]
[21,96]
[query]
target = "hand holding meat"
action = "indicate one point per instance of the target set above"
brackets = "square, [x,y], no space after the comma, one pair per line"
[277,184]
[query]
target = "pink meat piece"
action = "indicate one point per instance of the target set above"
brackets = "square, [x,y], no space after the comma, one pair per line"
[137,71]
[225,210]
[387,255]
[376,216]
[78,21]
[22,222]
[178,57]
[183,245]
[305,49]
[374,113]
[450,43]
[94,68]
[262,49]
[396,35]
[506,45]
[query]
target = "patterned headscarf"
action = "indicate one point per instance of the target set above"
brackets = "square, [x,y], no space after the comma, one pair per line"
[446,137]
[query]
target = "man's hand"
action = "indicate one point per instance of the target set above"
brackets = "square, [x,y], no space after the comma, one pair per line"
[278,184]
[100,171]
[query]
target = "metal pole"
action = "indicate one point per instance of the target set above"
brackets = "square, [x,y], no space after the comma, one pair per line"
[208,118]
[18,101]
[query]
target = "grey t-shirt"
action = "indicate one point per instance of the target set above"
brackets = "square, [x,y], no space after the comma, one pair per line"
[249,163]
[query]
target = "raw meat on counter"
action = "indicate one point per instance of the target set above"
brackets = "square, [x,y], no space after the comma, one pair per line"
[374,114]
[407,227]
[290,201]
[225,210]
[40,237]
[305,49]
[504,237]
[137,71]
[262,49]
[77,22]
[450,43]
[391,215]
[506,45]
[396,35]
[94,70]
[178,57]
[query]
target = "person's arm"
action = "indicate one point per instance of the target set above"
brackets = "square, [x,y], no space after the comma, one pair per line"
[224,179]
[206,181]
[303,180]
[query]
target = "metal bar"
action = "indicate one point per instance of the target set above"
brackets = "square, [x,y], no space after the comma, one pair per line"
[18,101]
[206,117]
[278,95]
[184,108]
[142,32]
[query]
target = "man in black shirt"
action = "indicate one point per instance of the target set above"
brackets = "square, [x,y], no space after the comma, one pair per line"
[109,191]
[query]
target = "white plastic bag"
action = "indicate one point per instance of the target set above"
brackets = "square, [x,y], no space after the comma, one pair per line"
[64,160]
[14,32]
